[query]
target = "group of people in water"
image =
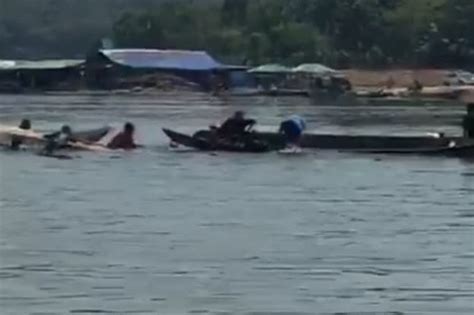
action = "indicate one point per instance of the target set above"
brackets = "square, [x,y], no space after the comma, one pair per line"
[60,139]
[235,129]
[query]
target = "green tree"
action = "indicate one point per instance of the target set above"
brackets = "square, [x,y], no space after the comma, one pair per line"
[338,32]
[138,30]
[234,12]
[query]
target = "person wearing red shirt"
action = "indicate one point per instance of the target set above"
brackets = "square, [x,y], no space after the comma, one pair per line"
[124,140]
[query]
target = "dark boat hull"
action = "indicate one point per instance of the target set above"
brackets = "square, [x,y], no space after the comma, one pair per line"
[462,151]
[422,145]
[202,141]
[92,135]
[355,142]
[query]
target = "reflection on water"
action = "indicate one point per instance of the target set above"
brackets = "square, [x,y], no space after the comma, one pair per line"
[162,232]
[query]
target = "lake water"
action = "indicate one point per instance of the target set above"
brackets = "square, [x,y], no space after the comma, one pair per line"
[162,232]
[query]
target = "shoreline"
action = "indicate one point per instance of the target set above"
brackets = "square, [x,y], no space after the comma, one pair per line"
[362,102]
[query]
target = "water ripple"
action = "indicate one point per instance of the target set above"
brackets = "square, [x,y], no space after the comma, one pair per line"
[155,231]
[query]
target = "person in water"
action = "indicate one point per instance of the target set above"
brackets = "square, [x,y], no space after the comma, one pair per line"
[125,139]
[235,126]
[292,128]
[58,140]
[468,122]
[16,142]
[65,130]
[25,124]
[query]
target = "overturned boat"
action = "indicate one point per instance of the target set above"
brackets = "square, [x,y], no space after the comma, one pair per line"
[422,145]
[91,135]
[86,139]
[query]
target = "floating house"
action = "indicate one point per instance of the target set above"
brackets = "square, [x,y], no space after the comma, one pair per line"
[111,69]
[20,75]
[105,67]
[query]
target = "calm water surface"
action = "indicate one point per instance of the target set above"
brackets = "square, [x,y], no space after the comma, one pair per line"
[161,232]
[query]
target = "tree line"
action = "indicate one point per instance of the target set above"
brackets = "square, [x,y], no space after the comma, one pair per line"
[342,33]
[40,29]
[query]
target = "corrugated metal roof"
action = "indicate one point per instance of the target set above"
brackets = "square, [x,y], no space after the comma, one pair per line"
[39,65]
[162,59]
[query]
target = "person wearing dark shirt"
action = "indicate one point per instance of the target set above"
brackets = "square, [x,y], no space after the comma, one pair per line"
[125,139]
[25,124]
[58,140]
[235,126]
[64,132]
[468,122]
[16,142]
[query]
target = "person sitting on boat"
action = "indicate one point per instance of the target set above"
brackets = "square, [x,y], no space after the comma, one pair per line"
[125,139]
[235,126]
[58,140]
[16,141]
[292,128]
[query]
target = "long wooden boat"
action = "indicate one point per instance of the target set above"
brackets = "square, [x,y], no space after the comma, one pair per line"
[461,151]
[426,145]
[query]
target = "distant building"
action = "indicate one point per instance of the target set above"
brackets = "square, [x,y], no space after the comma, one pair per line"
[105,68]
[21,75]
[110,69]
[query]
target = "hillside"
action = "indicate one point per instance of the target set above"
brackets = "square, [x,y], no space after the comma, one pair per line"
[343,33]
